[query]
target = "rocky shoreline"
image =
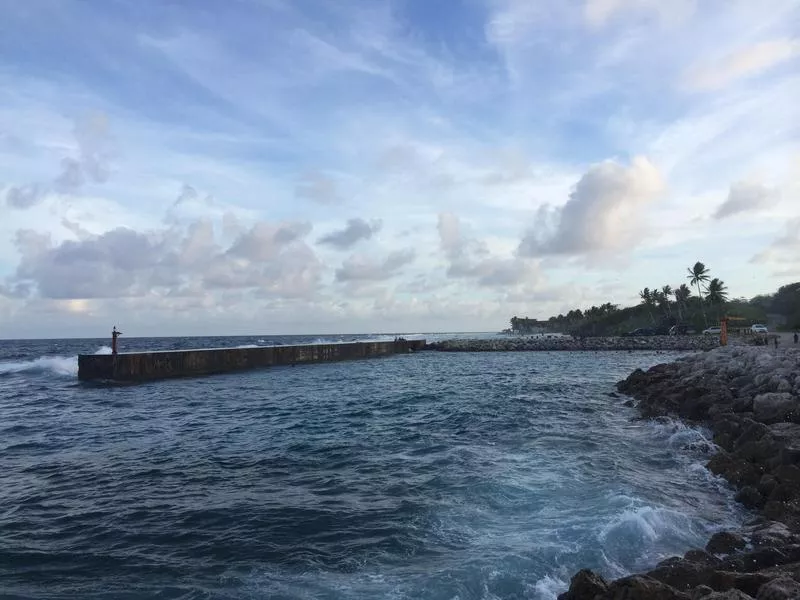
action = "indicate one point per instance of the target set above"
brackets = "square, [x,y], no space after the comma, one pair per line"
[750,398]
[678,343]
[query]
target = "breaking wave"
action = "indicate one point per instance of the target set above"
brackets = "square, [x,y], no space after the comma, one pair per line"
[62,366]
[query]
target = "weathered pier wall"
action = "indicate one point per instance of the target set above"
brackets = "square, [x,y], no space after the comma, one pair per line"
[143,366]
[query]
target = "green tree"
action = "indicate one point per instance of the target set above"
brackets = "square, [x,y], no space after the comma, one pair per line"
[647,299]
[666,293]
[682,294]
[699,274]
[717,294]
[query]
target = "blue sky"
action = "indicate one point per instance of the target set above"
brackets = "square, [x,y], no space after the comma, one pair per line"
[287,166]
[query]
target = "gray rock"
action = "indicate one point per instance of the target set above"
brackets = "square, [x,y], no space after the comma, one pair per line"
[782,588]
[773,407]
[728,595]
[725,542]
[585,584]
[767,485]
[750,497]
[771,534]
[638,587]
[701,591]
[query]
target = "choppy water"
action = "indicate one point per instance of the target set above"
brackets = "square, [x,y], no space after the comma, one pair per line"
[426,476]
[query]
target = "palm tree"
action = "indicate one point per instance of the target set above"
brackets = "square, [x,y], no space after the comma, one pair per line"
[658,298]
[647,299]
[717,293]
[699,274]
[666,292]
[682,294]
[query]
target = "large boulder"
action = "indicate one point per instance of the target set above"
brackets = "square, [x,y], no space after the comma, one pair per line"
[638,587]
[783,588]
[771,534]
[727,595]
[725,542]
[774,407]
[585,585]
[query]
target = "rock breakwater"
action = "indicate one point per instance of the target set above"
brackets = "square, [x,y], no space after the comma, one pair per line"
[567,343]
[750,398]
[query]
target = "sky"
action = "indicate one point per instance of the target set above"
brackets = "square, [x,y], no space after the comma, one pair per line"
[308,166]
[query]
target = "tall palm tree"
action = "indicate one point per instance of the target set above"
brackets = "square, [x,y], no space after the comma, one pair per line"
[699,274]
[666,292]
[647,299]
[717,294]
[659,299]
[682,294]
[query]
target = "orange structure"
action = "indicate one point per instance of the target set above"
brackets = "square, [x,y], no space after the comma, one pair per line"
[723,329]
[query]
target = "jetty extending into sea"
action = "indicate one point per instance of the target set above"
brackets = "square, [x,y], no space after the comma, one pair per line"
[145,366]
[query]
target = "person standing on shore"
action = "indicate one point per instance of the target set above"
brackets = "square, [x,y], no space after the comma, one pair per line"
[795,337]
[776,342]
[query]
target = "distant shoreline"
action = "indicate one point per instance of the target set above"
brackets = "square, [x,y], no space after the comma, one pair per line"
[568,343]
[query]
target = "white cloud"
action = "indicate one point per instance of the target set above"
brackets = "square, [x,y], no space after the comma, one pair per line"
[470,259]
[741,63]
[23,196]
[603,213]
[318,187]
[784,250]
[355,231]
[600,12]
[89,161]
[191,261]
[745,197]
[360,268]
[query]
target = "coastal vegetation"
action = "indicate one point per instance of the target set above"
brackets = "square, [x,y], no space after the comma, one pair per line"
[695,304]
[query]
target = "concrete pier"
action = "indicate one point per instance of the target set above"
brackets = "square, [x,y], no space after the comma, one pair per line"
[144,366]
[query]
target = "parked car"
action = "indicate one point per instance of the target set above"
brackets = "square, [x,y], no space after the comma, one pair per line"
[641,331]
[757,328]
[679,330]
[712,331]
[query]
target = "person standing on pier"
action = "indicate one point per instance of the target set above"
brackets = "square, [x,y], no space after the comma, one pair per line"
[114,335]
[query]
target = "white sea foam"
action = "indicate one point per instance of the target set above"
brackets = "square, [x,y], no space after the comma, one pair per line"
[549,587]
[680,436]
[65,366]
[58,365]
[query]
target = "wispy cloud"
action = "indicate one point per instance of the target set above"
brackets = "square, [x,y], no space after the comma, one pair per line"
[741,63]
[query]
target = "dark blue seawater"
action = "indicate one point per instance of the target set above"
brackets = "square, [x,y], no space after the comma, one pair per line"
[422,476]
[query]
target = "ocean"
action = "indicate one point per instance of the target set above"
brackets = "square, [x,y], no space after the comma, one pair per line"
[423,476]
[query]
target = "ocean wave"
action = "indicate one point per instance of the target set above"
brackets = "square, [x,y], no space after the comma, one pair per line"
[63,366]
[643,535]
[549,587]
[57,365]
[680,436]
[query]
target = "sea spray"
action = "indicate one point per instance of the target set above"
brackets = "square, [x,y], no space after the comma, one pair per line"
[56,365]
[65,366]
